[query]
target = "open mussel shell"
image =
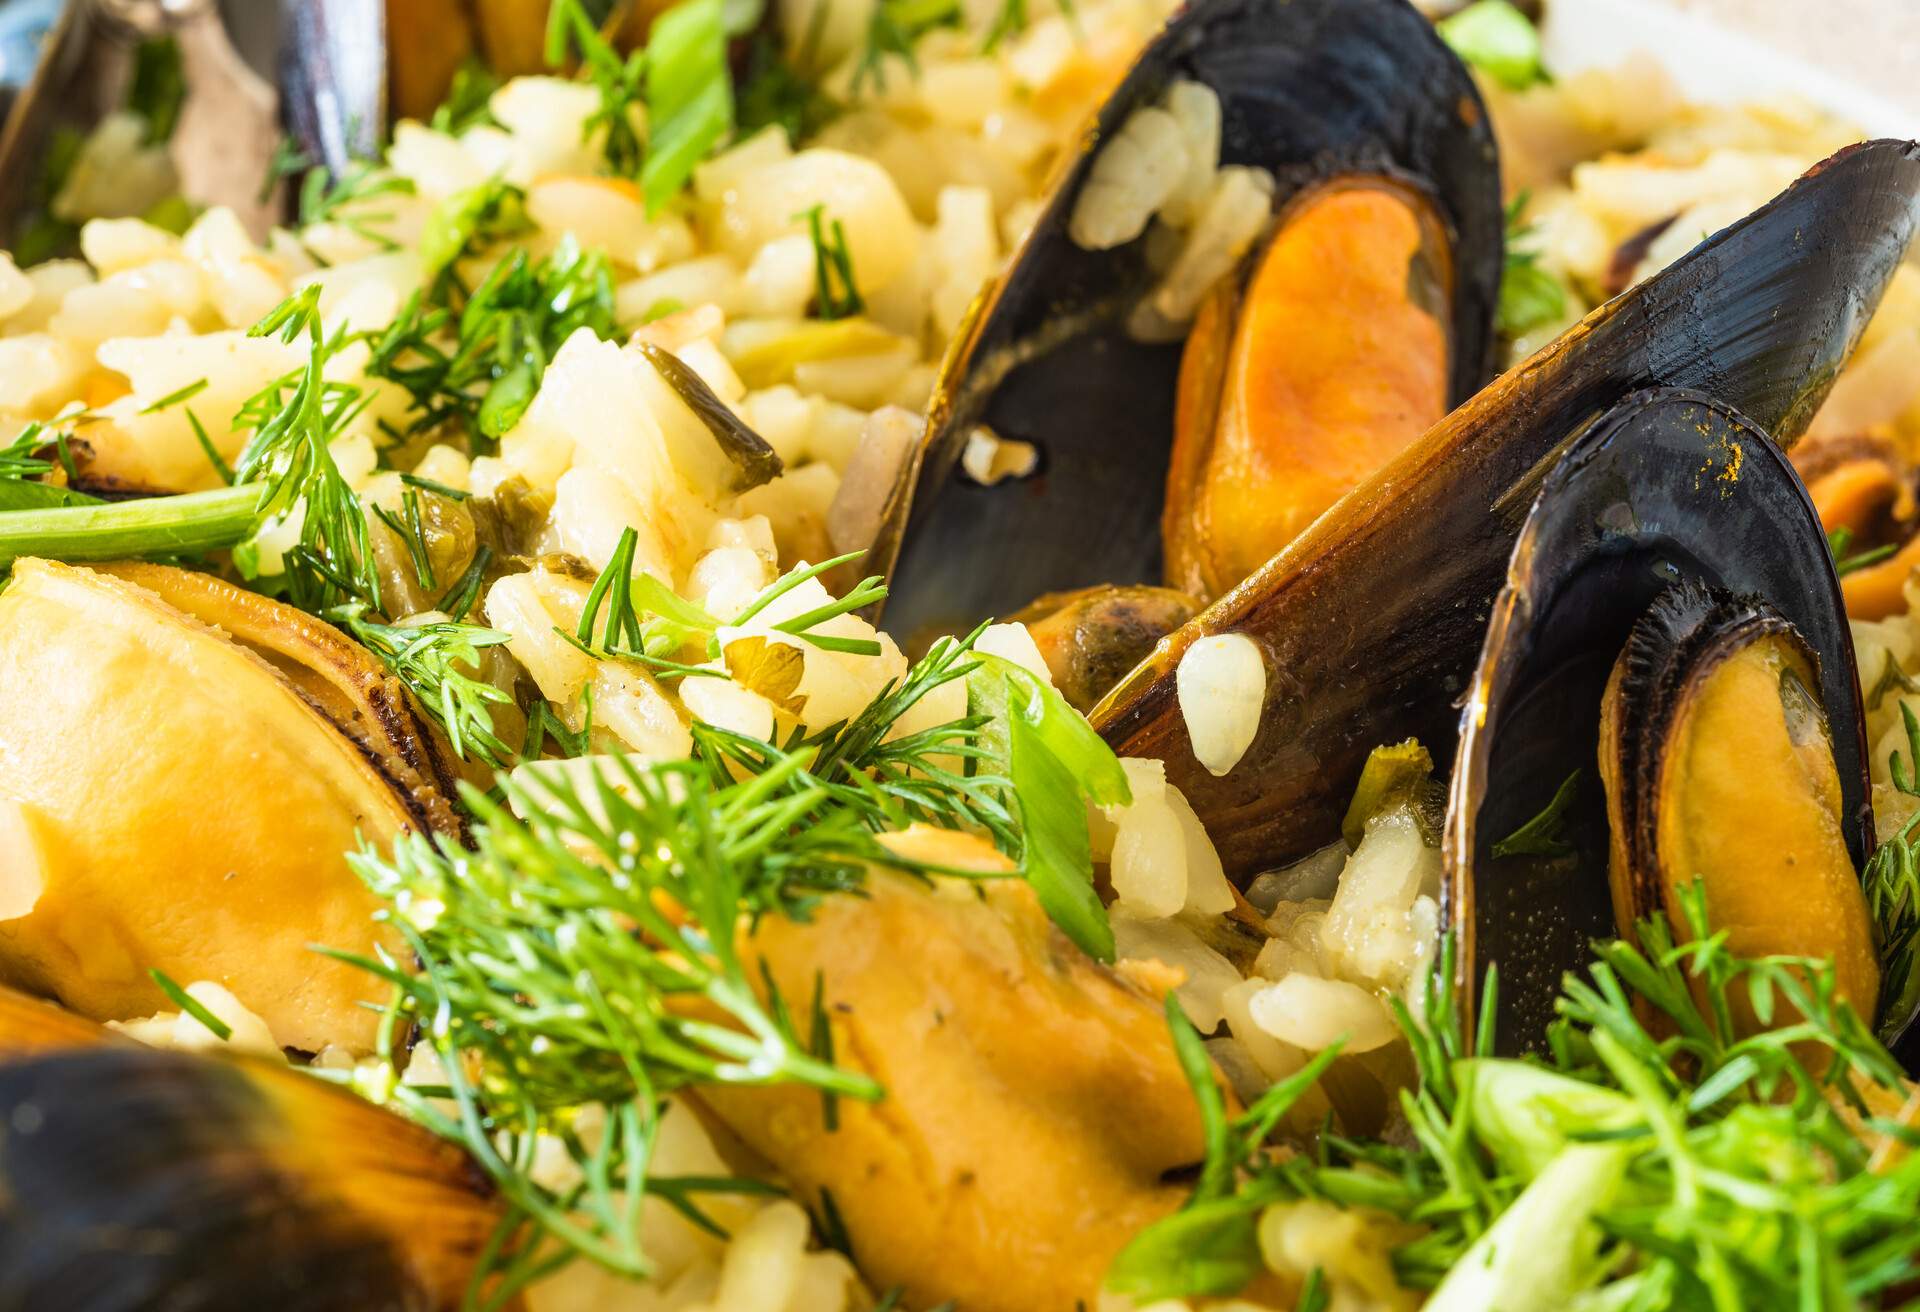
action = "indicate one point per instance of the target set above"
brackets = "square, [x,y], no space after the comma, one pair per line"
[183,765]
[1674,530]
[1309,90]
[1372,620]
[133,1178]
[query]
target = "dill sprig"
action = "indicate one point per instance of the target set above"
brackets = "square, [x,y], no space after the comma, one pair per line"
[294,421]
[480,365]
[1729,1166]
[1541,835]
[1892,679]
[469,100]
[945,775]
[773,88]
[466,223]
[351,200]
[640,618]
[681,81]
[583,956]
[158,90]
[620,81]
[893,29]
[25,462]
[440,664]
[835,294]
[190,1005]
[1891,881]
[1020,768]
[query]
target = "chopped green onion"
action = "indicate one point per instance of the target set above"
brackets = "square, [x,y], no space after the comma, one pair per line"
[1497,39]
[689,96]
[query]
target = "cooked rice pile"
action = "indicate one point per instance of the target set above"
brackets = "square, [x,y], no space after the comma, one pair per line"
[934,177]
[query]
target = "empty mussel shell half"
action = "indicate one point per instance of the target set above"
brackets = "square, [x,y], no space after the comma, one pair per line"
[136,1178]
[1371,621]
[1671,638]
[1339,92]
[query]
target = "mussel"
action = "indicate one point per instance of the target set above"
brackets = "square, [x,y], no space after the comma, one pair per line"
[1670,657]
[1363,318]
[1865,489]
[1317,365]
[134,1178]
[183,765]
[1372,619]
[1091,637]
[1718,766]
[1034,1112]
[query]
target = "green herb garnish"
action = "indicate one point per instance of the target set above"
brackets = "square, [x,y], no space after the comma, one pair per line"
[344,200]
[159,86]
[1540,836]
[1055,764]
[647,621]
[1499,40]
[440,663]
[294,421]
[1694,1156]
[25,461]
[468,100]
[564,955]
[689,96]
[468,220]
[480,365]
[1845,561]
[835,293]
[774,90]
[620,82]
[1892,679]
[893,29]
[190,1005]
[1529,295]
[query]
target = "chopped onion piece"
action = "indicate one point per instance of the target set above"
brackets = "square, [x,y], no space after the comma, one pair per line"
[1312,1014]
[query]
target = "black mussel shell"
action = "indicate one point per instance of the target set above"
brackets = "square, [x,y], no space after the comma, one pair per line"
[131,1183]
[134,1179]
[1373,618]
[1309,89]
[1670,489]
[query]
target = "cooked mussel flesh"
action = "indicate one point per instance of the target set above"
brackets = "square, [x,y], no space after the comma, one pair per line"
[1864,489]
[185,765]
[1034,1110]
[1090,638]
[1324,360]
[1718,767]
